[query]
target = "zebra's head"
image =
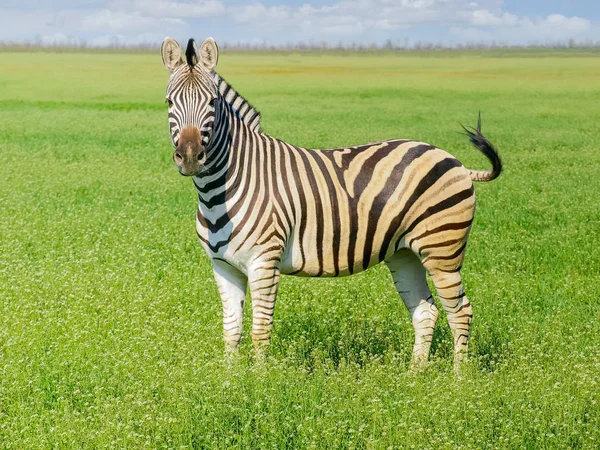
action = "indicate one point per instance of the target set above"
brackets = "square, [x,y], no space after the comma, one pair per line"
[191,95]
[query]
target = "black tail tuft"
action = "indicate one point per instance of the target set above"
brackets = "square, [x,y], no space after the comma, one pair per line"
[484,146]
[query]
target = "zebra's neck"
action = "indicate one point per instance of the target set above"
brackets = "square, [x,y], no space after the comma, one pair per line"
[225,167]
[248,113]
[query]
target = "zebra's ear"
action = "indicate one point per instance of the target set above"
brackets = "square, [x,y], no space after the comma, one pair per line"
[171,54]
[209,54]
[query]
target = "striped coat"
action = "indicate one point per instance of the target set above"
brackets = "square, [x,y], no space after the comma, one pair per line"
[267,207]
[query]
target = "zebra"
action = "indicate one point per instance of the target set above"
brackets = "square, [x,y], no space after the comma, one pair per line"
[268,208]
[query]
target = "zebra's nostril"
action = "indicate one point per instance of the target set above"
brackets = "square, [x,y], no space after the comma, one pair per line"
[200,156]
[178,157]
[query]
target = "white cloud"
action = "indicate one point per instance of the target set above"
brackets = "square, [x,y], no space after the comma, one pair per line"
[485,25]
[257,12]
[554,22]
[168,8]
[107,20]
[356,16]
[556,27]
[17,25]
[367,20]
[483,17]
[361,21]
[566,24]
[346,18]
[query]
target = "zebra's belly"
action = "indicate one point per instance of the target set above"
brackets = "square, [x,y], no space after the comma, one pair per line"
[290,269]
[313,262]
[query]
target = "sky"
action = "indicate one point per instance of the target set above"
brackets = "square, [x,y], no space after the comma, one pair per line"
[449,22]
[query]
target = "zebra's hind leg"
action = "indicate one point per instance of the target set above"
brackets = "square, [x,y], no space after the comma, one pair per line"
[452,296]
[232,289]
[410,280]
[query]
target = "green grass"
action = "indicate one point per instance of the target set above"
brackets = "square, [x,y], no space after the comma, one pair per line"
[110,327]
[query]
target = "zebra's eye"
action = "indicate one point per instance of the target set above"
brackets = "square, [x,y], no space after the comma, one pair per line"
[169,102]
[211,103]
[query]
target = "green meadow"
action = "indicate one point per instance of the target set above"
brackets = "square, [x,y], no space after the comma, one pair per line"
[110,322]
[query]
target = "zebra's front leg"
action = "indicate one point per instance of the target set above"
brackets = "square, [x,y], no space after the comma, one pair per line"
[264,282]
[232,288]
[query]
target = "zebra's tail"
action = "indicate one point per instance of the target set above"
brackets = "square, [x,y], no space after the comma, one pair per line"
[484,146]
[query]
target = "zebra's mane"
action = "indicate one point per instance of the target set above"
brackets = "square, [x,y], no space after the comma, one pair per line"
[245,110]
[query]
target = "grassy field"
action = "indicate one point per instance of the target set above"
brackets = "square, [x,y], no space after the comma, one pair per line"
[110,323]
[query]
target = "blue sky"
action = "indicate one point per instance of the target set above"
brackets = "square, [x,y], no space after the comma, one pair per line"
[311,21]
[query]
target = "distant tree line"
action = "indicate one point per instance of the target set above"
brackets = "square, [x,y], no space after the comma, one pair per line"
[115,44]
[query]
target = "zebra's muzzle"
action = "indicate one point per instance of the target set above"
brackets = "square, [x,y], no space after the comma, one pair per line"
[189,166]
[190,155]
